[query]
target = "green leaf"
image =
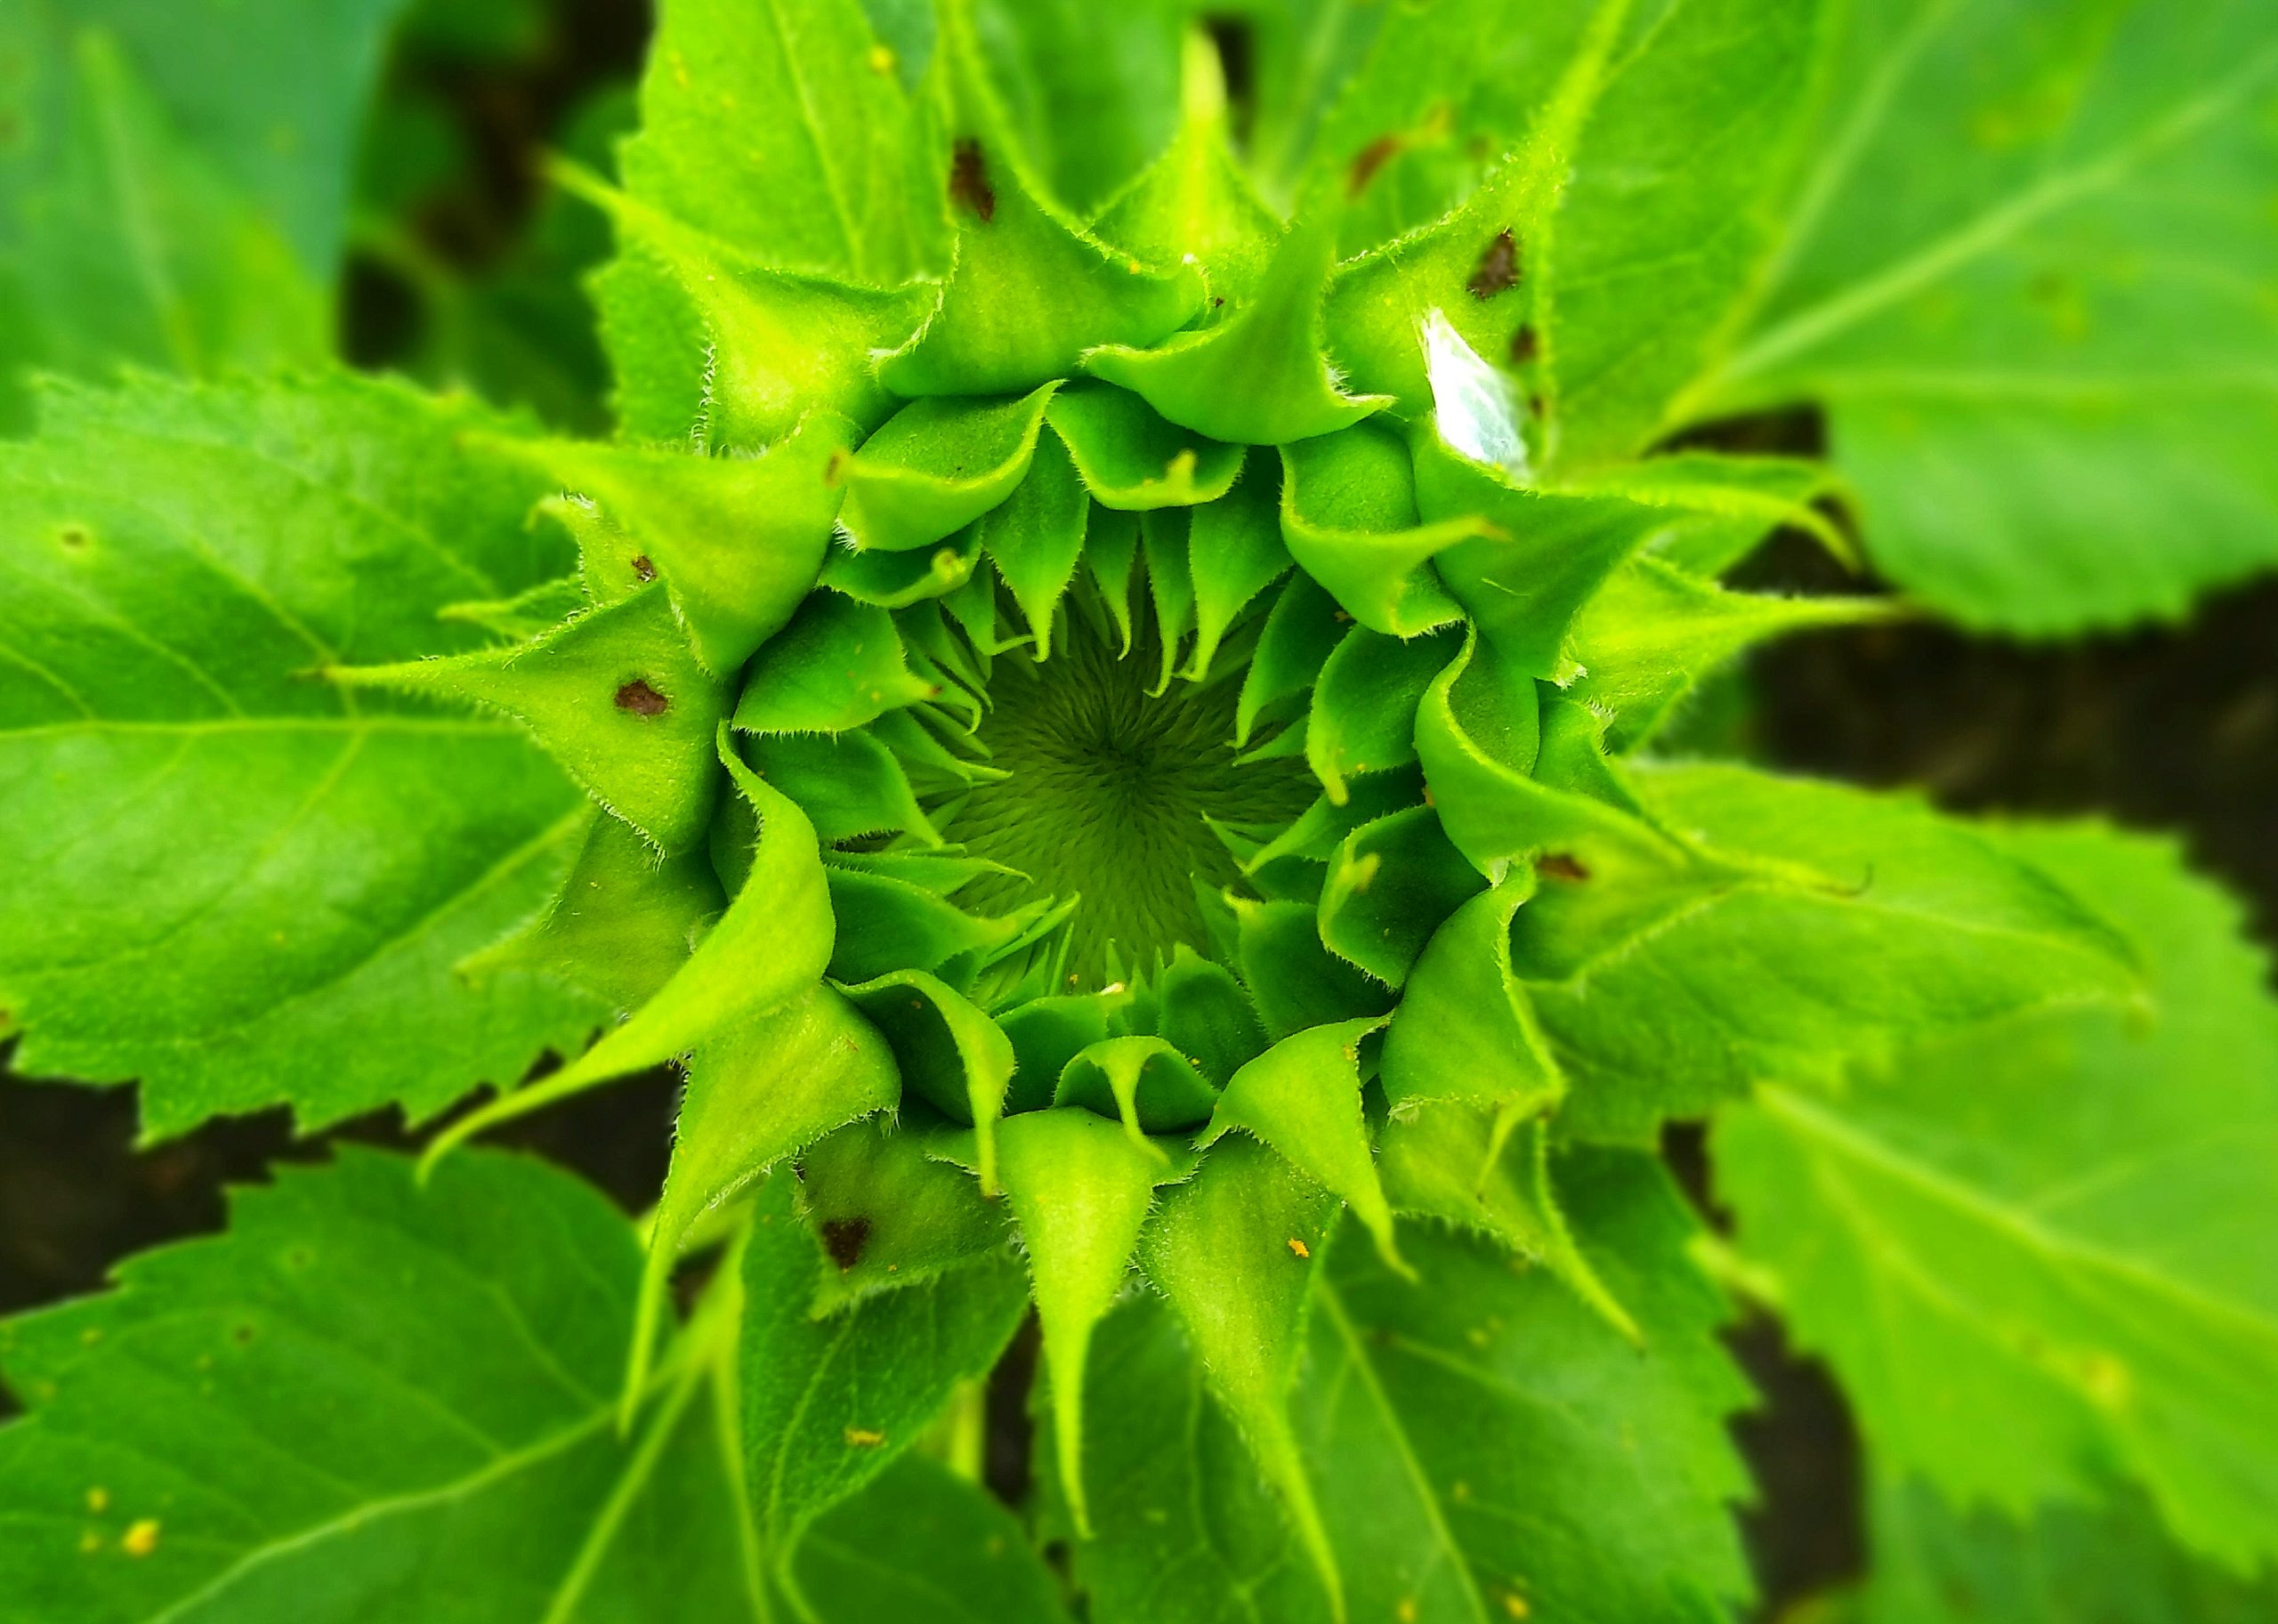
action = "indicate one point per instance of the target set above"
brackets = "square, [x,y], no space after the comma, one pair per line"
[1079,1189]
[759,1089]
[1028,289]
[617,695]
[937,465]
[830,1401]
[1483,1445]
[2054,1223]
[1933,1565]
[738,539]
[237,884]
[837,666]
[2044,371]
[921,1543]
[366,1385]
[770,948]
[1258,375]
[1131,459]
[1236,1250]
[1348,514]
[832,174]
[1821,924]
[1303,1097]
[1654,630]
[1669,213]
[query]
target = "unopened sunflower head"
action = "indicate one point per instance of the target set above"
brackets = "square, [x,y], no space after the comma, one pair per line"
[1151,681]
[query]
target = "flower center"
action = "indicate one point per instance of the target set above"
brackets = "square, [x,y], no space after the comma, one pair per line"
[1110,795]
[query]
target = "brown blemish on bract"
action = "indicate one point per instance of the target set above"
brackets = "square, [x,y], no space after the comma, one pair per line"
[1524,345]
[1560,866]
[642,700]
[74,537]
[1370,158]
[1497,271]
[969,187]
[844,1239]
[643,569]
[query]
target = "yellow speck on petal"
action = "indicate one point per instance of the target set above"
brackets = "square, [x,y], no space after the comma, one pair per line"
[881,58]
[1406,1610]
[863,1438]
[98,1501]
[1515,1604]
[141,1538]
[1299,1247]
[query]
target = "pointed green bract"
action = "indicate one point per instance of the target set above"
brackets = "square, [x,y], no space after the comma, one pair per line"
[1079,1189]
[935,466]
[617,695]
[1131,459]
[1348,514]
[737,539]
[838,664]
[1465,1030]
[1028,288]
[1303,1097]
[1365,706]
[951,1054]
[1145,1081]
[1389,882]
[1036,537]
[1257,376]
[1236,1250]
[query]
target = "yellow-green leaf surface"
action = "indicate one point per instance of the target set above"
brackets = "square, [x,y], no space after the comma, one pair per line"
[232,881]
[2037,1257]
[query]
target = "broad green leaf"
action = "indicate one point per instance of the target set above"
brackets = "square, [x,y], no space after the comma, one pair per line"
[1080,1191]
[1236,1250]
[1933,1565]
[832,173]
[1667,212]
[2034,1255]
[1483,1445]
[920,1542]
[1817,924]
[935,466]
[720,351]
[367,1395]
[1303,1098]
[617,695]
[830,1401]
[2023,275]
[235,883]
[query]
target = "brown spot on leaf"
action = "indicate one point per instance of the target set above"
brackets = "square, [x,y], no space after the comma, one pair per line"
[844,1239]
[1524,345]
[642,700]
[1497,271]
[969,188]
[642,568]
[1562,866]
[74,536]
[1371,158]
